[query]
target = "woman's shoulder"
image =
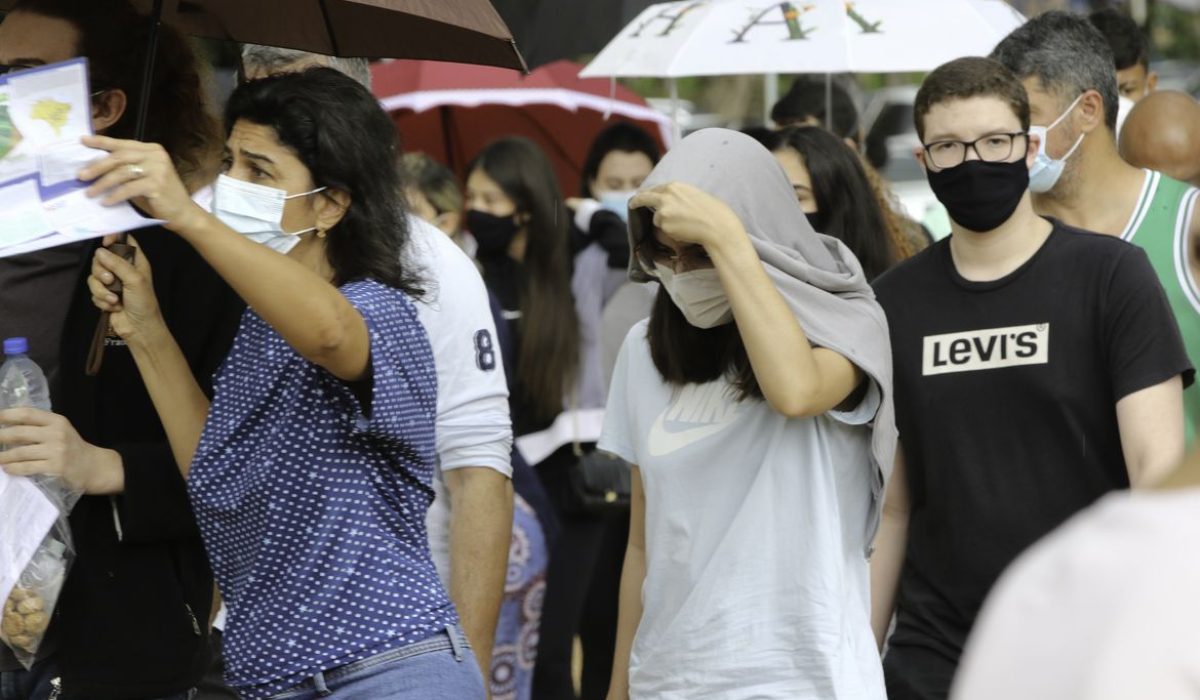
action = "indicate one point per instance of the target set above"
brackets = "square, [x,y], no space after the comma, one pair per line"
[381,302]
[634,355]
[372,290]
[639,336]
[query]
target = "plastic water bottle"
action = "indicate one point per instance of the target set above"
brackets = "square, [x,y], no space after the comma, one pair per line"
[22,382]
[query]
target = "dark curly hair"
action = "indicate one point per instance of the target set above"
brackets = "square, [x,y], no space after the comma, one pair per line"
[338,130]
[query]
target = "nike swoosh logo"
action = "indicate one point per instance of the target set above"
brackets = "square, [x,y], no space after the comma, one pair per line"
[663,442]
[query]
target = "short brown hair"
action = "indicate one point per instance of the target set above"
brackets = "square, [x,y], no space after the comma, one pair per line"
[972,76]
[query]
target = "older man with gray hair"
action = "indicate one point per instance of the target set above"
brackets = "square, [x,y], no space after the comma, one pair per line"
[260,61]
[1080,178]
[470,522]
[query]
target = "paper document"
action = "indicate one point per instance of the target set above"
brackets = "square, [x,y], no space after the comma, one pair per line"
[44,112]
[26,516]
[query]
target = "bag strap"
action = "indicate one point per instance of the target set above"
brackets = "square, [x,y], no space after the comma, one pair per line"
[573,407]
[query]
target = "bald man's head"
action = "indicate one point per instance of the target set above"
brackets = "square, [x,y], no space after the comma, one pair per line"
[1162,132]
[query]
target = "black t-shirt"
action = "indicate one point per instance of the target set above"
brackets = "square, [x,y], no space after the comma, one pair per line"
[1005,395]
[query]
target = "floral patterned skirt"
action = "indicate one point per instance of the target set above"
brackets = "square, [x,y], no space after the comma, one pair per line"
[516,646]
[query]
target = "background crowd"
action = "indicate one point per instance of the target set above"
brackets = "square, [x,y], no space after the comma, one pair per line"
[370,427]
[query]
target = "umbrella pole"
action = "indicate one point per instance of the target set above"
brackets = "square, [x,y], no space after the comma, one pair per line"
[829,102]
[95,356]
[148,69]
[673,89]
[448,140]
[770,95]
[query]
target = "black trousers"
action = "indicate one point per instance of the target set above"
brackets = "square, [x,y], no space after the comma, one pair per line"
[916,673]
[212,686]
[582,590]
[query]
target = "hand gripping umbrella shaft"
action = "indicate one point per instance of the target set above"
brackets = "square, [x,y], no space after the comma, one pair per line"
[96,354]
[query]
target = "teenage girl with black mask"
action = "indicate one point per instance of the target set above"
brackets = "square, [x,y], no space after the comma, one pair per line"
[516,214]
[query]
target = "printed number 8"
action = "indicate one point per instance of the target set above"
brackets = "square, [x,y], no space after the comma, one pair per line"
[485,351]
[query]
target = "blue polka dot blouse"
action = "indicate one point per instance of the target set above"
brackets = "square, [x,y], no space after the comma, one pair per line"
[312,509]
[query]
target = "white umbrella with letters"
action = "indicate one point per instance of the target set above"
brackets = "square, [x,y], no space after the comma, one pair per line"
[738,37]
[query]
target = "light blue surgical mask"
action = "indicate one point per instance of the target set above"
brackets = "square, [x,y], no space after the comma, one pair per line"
[617,201]
[1046,171]
[256,212]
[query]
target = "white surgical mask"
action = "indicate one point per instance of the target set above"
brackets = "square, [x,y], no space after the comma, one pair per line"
[698,294]
[1046,170]
[256,212]
[1124,105]
[617,201]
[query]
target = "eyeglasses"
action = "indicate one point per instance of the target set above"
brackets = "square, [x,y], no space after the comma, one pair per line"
[992,148]
[651,252]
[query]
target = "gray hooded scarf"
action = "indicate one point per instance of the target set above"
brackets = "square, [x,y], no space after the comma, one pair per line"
[819,277]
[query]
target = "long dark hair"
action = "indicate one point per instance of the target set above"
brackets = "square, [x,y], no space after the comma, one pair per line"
[847,207]
[113,38]
[685,354]
[621,136]
[548,360]
[337,129]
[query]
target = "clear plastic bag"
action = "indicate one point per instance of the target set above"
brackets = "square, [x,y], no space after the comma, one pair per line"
[26,613]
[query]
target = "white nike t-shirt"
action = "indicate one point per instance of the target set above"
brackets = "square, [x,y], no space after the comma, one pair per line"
[473,424]
[756,585]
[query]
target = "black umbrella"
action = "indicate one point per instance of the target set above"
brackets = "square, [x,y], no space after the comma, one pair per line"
[549,30]
[463,31]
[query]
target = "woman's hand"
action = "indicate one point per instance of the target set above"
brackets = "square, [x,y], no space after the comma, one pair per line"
[134,314]
[42,443]
[690,215]
[141,173]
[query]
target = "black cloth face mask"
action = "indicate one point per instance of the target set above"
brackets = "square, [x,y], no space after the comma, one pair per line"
[492,233]
[978,195]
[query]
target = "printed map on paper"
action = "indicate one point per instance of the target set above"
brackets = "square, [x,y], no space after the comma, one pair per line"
[44,112]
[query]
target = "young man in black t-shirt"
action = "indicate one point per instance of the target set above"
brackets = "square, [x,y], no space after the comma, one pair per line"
[1037,367]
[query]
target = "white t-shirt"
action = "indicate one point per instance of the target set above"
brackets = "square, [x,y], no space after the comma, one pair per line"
[473,424]
[1104,608]
[756,585]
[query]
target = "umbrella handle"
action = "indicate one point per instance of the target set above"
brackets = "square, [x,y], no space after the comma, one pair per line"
[96,353]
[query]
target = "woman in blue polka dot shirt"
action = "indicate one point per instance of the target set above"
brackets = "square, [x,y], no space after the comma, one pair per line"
[310,470]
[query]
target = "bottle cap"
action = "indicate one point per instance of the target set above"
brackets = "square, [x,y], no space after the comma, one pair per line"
[16,346]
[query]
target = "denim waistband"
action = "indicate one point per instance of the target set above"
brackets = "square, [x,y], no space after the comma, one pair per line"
[451,639]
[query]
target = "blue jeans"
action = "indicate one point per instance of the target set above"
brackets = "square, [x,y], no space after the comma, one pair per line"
[42,683]
[442,666]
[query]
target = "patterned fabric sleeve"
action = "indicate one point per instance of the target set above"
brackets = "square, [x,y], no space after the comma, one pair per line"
[403,379]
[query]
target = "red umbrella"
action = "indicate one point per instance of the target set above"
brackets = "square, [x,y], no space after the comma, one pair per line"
[451,111]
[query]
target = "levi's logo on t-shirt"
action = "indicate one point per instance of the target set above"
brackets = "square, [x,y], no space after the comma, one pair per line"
[992,348]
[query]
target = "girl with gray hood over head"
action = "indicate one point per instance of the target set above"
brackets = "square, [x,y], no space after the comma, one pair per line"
[756,403]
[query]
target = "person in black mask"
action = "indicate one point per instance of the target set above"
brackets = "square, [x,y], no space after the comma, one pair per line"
[1036,368]
[517,216]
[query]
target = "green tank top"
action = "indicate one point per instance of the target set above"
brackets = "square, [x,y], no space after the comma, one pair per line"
[1159,225]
